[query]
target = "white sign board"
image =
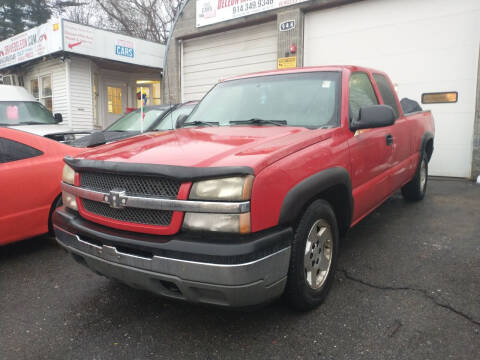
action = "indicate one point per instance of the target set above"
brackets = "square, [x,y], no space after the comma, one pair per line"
[62,35]
[215,11]
[86,40]
[39,41]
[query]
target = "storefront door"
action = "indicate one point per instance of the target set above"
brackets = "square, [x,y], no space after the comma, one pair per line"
[116,104]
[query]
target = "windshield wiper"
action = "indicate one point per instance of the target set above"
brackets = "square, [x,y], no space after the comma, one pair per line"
[200,123]
[257,121]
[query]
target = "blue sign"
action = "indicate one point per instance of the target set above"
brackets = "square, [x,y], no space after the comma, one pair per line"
[124,51]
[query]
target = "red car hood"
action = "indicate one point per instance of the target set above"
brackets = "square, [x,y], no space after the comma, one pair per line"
[254,146]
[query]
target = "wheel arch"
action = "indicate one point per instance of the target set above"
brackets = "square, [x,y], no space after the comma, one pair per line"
[426,144]
[53,206]
[333,185]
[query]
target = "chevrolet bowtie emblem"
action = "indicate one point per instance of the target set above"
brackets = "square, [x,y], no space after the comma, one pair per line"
[116,198]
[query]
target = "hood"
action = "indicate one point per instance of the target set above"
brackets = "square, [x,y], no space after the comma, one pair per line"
[109,136]
[42,130]
[253,146]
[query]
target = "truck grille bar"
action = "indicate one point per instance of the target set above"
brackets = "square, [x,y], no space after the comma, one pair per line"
[118,199]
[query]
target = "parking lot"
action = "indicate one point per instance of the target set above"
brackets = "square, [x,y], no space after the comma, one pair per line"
[407,287]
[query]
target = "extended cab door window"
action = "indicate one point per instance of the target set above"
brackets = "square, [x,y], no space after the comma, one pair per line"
[386,92]
[361,94]
[12,151]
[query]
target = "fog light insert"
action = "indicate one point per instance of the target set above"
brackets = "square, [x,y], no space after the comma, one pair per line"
[69,200]
[234,223]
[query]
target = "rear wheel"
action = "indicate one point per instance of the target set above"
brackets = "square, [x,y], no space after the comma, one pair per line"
[415,190]
[314,255]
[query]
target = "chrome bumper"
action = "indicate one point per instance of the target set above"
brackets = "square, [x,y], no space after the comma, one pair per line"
[235,285]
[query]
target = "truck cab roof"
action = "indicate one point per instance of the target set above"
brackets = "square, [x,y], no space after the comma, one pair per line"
[15,93]
[351,68]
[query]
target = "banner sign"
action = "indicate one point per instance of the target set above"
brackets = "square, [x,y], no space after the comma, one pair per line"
[34,43]
[215,11]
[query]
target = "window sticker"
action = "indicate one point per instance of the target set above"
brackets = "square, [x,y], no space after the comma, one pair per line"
[12,112]
[326,84]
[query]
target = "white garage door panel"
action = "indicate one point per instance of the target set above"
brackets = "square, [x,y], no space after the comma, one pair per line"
[228,63]
[198,87]
[425,46]
[211,58]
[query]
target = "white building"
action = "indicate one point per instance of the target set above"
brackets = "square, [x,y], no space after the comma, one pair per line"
[426,46]
[90,76]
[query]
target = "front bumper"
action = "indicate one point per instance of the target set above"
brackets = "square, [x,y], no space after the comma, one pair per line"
[253,270]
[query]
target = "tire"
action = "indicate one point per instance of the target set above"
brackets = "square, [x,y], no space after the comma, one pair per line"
[417,187]
[307,285]
[57,203]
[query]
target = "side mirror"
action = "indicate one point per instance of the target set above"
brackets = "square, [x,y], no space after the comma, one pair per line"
[58,117]
[374,116]
[180,121]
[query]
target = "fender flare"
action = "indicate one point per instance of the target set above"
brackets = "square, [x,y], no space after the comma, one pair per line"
[309,189]
[426,137]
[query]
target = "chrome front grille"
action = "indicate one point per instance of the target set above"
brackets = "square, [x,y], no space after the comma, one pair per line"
[132,215]
[132,184]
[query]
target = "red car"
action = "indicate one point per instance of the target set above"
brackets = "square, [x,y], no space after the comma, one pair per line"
[30,175]
[250,198]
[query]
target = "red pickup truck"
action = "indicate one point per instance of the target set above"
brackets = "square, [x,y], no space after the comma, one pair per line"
[248,200]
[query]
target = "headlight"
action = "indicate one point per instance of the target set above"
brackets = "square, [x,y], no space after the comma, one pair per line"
[68,175]
[227,189]
[234,223]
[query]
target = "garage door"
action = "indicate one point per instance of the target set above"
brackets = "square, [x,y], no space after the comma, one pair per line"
[208,59]
[425,46]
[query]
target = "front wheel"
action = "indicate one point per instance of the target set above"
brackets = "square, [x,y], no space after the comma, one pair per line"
[314,256]
[415,190]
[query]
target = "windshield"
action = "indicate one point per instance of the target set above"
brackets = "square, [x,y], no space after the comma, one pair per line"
[132,121]
[301,99]
[168,122]
[24,113]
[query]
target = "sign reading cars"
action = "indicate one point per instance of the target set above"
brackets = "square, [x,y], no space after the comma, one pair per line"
[214,11]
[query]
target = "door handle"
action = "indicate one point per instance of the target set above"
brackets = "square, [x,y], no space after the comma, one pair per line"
[389,139]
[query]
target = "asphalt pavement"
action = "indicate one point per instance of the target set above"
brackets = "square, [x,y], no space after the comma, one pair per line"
[407,287]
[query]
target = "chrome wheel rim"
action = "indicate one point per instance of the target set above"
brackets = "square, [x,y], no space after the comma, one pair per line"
[423,175]
[318,254]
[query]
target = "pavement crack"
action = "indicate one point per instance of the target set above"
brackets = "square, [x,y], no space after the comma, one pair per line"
[424,292]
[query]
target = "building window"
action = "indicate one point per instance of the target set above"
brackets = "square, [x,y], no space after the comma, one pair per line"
[114,100]
[34,88]
[151,92]
[95,101]
[46,93]
[41,89]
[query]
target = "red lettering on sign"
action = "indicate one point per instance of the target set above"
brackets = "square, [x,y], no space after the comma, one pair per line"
[227,3]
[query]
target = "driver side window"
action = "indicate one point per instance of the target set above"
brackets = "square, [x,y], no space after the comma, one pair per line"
[361,94]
